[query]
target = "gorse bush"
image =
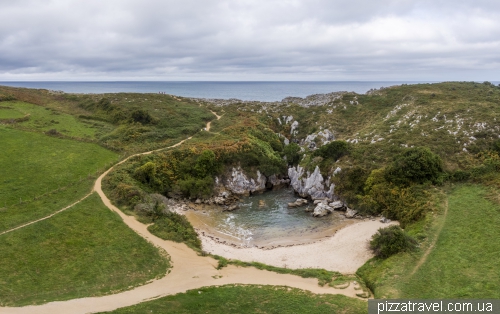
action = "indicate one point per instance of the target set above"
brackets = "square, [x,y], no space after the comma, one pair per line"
[391,240]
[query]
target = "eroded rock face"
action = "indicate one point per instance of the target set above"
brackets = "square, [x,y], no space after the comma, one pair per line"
[276,181]
[310,184]
[239,183]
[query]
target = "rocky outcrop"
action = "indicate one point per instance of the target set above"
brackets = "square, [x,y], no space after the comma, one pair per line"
[325,136]
[308,184]
[239,183]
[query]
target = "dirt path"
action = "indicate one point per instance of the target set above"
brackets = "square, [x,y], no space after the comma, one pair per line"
[210,122]
[433,244]
[189,271]
[47,217]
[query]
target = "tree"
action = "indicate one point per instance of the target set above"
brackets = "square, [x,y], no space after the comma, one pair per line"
[206,164]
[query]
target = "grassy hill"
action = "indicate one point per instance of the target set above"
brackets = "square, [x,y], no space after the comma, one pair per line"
[404,152]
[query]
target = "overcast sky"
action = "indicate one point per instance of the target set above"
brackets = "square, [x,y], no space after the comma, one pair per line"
[432,40]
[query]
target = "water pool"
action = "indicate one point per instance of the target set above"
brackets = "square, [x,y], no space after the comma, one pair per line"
[265,220]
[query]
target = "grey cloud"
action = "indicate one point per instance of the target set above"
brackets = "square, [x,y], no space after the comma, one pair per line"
[249,39]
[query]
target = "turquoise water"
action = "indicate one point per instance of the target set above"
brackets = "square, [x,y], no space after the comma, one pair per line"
[265,219]
[261,91]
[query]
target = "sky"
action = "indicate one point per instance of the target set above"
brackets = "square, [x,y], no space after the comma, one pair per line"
[248,40]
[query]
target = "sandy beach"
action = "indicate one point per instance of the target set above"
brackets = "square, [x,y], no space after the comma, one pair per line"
[344,251]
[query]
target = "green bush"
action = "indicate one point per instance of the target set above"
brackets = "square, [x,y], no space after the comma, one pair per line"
[175,227]
[333,150]
[415,165]
[292,154]
[391,240]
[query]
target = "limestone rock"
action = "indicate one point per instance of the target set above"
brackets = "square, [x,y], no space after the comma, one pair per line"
[336,205]
[384,220]
[231,208]
[322,210]
[310,184]
[350,213]
[277,181]
[239,183]
[297,203]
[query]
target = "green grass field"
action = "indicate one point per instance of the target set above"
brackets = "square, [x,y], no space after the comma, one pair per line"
[34,164]
[464,262]
[33,209]
[45,119]
[249,299]
[10,112]
[84,251]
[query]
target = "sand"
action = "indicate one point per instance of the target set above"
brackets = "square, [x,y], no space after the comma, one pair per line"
[345,251]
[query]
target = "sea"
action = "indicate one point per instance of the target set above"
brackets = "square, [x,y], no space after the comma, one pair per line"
[254,90]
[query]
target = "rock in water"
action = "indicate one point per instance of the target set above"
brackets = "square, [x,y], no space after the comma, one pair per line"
[322,210]
[350,213]
[231,208]
[297,203]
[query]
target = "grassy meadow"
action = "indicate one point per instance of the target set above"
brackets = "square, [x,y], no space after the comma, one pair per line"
[53,144]
[42,174]
[83,251]
[462,264]
[249,299]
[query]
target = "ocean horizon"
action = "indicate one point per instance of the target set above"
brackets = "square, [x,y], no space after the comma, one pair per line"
[244,90]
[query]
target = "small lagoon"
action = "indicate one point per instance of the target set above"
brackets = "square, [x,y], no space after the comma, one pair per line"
[265,220]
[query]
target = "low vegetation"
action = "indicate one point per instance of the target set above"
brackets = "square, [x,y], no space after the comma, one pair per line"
[248,299]
[400,152]
[84,251]
[463,262]
[35,164]
[391,240]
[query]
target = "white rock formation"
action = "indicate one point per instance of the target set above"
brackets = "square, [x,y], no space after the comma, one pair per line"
[240,184]
[321,210]
[336,205]
[310,184]
[350,213]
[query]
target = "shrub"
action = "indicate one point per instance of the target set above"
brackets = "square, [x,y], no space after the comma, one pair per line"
[391,240]
[405,204]
[141,116]
[175,227]
[333,150]
[415,165]
[292,154]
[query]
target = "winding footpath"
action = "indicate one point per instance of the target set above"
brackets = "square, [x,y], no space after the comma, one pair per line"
[189,271]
